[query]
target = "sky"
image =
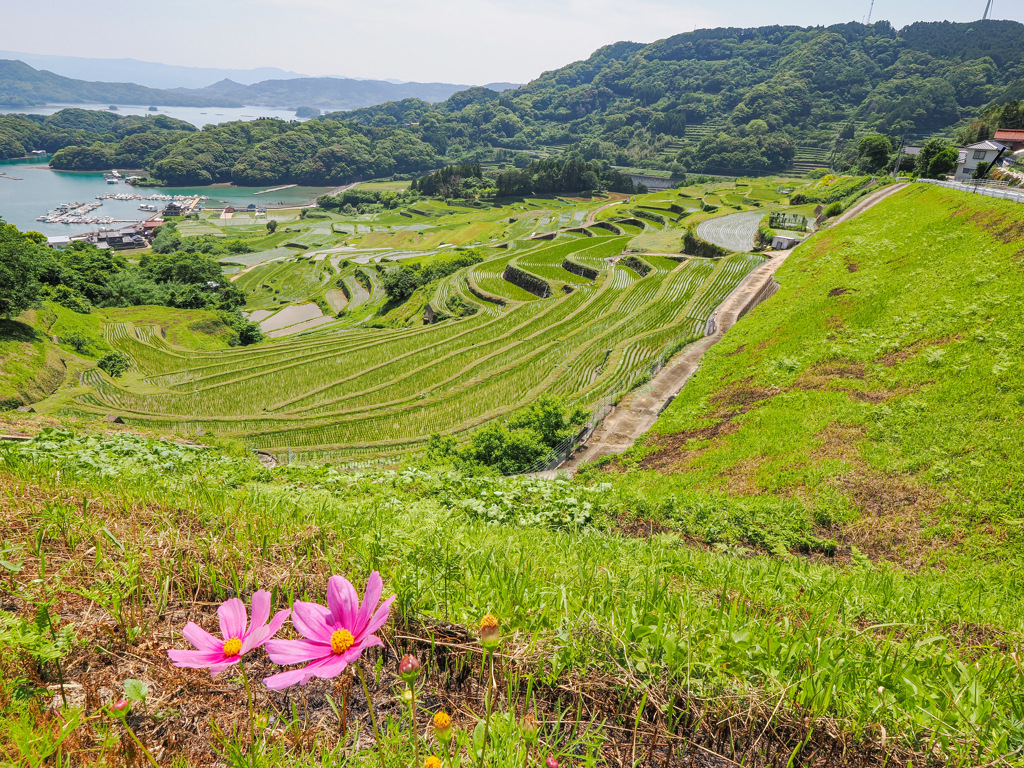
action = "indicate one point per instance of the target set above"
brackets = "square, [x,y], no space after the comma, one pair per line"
[460,41]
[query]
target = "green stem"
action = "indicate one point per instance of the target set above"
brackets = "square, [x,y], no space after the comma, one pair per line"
[142,746]
[413,734]
[373,717]
[248,700]
[487,704]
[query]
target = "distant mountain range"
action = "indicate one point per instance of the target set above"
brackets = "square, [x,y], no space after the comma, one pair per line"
[22,86]
[326,93]
[146,73]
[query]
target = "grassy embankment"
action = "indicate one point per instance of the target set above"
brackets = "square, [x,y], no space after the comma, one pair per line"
[620,627]
[33,366]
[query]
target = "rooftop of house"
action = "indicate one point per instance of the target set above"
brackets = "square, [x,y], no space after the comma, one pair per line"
[988,145]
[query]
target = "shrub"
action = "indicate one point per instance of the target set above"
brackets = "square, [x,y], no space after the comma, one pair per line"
[115,364]
[77,343]
[71,299]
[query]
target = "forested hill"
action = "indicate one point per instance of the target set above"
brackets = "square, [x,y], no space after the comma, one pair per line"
[723,101]
[737,99]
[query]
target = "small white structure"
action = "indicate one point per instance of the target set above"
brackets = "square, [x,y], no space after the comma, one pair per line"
[784,242]
[977,154]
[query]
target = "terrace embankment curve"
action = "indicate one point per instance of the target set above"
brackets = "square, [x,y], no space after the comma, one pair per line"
[636,413]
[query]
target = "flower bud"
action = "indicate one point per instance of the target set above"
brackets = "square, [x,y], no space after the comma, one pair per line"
[409,668]
[407,695]
[490,633]
[443,727]
[551,762]
[530,728]
[119,708]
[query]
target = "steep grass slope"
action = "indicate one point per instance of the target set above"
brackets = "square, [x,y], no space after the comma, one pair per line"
[876,398]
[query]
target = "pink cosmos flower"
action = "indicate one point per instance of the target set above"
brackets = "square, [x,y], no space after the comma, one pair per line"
[334,636]
[238,639]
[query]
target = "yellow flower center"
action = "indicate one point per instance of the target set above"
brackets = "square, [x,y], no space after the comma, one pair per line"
[232,647]
[488,622]
[341,641]
[442,721]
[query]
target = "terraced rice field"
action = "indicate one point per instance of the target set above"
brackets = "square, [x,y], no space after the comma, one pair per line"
[363,393]
[735,232]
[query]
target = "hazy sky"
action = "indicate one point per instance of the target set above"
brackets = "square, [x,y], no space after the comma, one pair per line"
[464,41]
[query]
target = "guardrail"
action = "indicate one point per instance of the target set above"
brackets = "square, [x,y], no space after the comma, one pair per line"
[978,189]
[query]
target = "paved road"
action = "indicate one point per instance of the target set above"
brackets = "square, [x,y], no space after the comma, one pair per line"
[734,232]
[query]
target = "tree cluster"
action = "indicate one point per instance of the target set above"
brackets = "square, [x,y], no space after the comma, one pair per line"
[83,276]
[401,282]
[452,182]
[367,201]
[514,445]
[560,176]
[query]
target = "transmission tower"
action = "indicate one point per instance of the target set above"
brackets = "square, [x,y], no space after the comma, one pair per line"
[871,10]
[988,11]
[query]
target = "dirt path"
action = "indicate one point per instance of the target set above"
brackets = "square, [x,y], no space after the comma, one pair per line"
[636,413]
[867,202]
[592,218]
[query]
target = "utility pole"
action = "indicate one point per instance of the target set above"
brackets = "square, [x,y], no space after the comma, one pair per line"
[988,11]
[899,154]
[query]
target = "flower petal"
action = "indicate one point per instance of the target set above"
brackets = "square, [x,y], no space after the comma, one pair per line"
[232,618]
[380,617]
[296,651]
[202,639]
[217,669]
[260,609]
[311,620]
[257,636]
[195,659]
[374,588]
[327,668]
[343,601]
[353,653]
[283,680]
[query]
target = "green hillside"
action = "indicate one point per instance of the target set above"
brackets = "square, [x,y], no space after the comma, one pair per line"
[815,557]
[726,101]
[874,398]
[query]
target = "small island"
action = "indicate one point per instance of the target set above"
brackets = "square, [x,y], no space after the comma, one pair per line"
[307,112]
